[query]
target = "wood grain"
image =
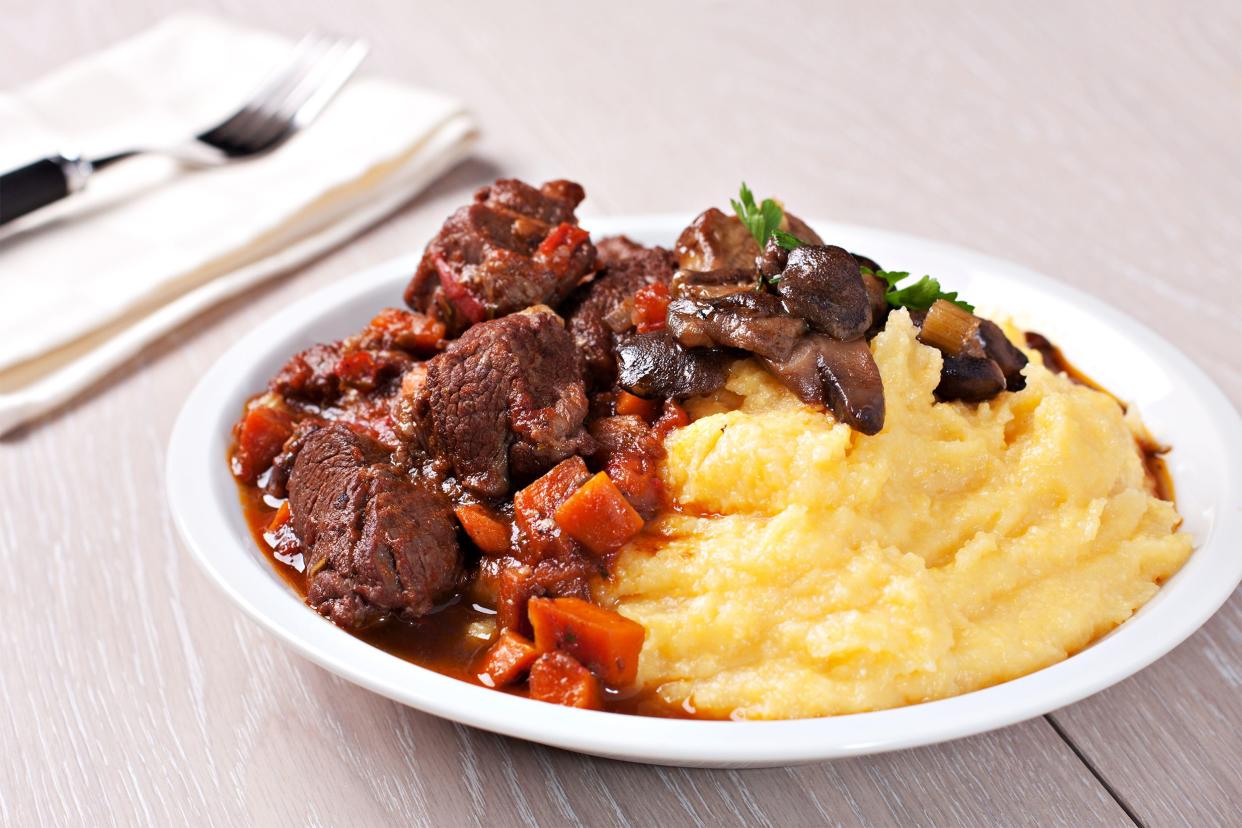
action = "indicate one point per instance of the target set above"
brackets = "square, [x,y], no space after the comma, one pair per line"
[1099,143]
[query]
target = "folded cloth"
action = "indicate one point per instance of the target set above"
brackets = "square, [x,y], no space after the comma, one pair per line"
[87,282]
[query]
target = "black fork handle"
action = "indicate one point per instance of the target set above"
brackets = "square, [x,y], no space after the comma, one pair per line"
[41,183]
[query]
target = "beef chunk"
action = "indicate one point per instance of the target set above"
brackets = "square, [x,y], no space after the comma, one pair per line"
[506,400]
[310,375]
[377,543]
[513,247]
[625,266]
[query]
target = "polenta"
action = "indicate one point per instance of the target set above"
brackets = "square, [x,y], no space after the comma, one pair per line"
[808,570]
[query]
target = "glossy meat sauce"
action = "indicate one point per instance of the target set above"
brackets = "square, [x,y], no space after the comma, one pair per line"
[447,640]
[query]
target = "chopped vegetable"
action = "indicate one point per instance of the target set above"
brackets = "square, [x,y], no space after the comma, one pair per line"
[951,329]
[414,332]
[606,642]
[513,591]
[558,248]
[489,531]
[535,505]
[633,405]
[358,369]
[559,679]
[598,516]
[650,307]
[787,240]
[280,518]
[673,417]
[260,438]
[763,220]
[507,659]
[918,296]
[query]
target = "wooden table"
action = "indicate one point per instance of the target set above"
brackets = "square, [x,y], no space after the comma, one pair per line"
[1096,142]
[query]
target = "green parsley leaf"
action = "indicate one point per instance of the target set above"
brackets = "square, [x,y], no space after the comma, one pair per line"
[787,240]
[761,220]
[919,295]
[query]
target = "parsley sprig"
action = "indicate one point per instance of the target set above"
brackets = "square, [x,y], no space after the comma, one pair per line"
[763,219]
[918,295]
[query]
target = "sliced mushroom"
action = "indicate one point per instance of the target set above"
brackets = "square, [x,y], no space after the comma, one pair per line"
[866,261]
[823,285]
[773,260]
[709,284]
[958,333]
[969,378]
[752,321]
[656,366]
[1007,355]
[877,298]
[715,240]
[842,376]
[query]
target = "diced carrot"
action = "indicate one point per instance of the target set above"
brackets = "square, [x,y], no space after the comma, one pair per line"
[507,659]
[628,403]
[673,417]
[358,369]
[559,679]
[260,437]
[410,331]
[561,249]
[456,292]
[280,518]
[563,235]
[514,586]
[606,642]
[535,506]
[650,307]
[598,516]
[489,531]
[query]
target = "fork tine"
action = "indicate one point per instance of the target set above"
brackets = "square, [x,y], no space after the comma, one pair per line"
[303,103]
[280,79]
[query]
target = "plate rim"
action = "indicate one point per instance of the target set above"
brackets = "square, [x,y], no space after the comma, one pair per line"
[675,741]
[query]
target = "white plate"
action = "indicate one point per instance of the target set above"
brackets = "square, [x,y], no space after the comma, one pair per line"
[1178,402]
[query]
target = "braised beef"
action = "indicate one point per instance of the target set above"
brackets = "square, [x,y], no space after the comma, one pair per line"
[376,542]
[656,366]
[515,246]
[823,285]
[505,400]
[380,352]
[625,266]
[276,484]
[310,375]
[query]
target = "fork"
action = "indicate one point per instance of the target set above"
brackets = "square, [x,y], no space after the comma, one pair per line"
[288,99]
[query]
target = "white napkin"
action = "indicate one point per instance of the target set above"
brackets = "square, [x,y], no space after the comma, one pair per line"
[86,283]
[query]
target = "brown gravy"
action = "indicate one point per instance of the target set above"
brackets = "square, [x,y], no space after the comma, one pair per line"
[1158,479]
[441,641]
